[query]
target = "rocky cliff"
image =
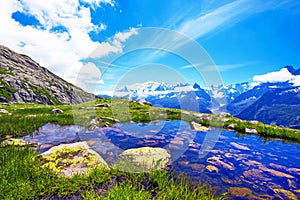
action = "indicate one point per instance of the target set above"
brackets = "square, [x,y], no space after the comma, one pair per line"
[24,80]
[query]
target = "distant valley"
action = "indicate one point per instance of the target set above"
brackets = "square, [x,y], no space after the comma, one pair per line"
[272,103]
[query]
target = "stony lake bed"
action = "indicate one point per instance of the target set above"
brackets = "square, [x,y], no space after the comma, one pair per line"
[244,166]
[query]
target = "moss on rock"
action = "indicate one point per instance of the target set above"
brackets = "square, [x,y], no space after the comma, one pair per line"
[71,159]
[144,159]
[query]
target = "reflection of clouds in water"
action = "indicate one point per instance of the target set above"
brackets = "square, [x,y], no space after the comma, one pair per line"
[140,130]
[53,135]
[252,157]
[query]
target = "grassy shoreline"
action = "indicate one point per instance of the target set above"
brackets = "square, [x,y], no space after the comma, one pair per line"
[24,119]
[22,177]
[21,174]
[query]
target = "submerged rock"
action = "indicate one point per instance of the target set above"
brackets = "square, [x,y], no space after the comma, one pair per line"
[144,159]
[178,141]
[217,161]
[56,111]
[295,171]
[197,166]
[278,167]
[239,146]
[239,191]
[212,168]
[252,163]
[275,173]
[292,184]
[199,127]
[231,181]
[185,163]
[70,159]
[285,194]
[255,174]
[297,191]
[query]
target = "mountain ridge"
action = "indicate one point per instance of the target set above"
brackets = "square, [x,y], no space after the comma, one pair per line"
[24,80]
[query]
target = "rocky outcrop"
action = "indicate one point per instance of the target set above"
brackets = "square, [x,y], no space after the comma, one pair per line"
[24,80]
[70,159]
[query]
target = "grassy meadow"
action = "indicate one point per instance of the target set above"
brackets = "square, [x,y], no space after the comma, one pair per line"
[22,177]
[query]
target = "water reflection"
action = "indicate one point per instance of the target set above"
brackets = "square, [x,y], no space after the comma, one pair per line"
[246,166]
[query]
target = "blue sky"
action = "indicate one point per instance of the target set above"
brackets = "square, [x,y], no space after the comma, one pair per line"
[244,38]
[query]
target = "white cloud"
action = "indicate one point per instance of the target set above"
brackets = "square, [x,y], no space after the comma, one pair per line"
[59,52]
[122,37]
[280,76]
[227,15]
[220,68]
[114,45]
[89,77]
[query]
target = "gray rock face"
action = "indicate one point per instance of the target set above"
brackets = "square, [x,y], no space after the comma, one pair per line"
[24,80]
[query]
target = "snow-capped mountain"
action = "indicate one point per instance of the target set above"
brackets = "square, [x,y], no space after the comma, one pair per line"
[151,88]
[229,91]
[272,98]
[181,95]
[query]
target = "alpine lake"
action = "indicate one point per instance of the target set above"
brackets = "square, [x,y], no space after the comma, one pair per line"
[244,166]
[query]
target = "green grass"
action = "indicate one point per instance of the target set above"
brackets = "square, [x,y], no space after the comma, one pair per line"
[265,130]
[5,71]
[22,177]
[6,90]
[27,118]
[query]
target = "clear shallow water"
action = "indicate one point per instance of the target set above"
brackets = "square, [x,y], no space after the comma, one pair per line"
[239,161]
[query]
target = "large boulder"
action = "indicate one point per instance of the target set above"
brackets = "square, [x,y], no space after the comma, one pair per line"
[144,159]
[70,159]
